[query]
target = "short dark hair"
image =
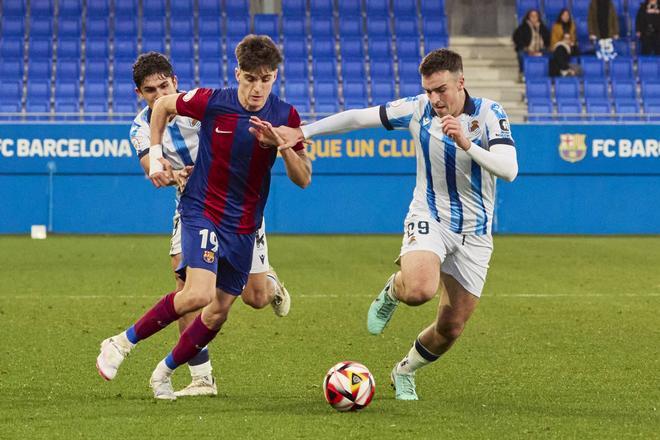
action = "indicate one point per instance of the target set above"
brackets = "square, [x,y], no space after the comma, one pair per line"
[441,59]
[256,52]
[151,63]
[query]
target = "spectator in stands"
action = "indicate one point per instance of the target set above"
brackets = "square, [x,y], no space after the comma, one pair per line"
[603,22]
[647,25]
[563,43]
[531,37]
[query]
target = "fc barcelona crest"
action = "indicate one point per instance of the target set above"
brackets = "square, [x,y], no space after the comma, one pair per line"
[573,147]
[209,257]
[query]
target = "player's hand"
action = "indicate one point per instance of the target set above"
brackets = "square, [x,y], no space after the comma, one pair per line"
[452,128]
[283,137]
[181,177]
[164,177]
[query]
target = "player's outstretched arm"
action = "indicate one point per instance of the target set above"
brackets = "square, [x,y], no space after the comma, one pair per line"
[160,170]
[342,122]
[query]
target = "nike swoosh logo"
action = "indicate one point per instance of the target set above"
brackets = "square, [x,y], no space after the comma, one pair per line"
[217,130]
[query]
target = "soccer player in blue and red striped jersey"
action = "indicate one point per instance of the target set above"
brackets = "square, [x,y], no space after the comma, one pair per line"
[221,208]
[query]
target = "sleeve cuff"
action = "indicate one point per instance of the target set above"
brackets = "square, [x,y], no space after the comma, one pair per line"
[143,153]
[383,118]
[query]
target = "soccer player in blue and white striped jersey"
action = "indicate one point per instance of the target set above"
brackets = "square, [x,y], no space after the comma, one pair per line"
[462,144]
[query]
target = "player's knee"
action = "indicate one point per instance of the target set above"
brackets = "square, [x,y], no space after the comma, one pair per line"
[450,330]
[215,320]
[419,292]
[197,299]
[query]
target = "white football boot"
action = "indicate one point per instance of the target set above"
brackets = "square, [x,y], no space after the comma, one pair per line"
[161,382]
[200,386]
[113,352]
[281,302]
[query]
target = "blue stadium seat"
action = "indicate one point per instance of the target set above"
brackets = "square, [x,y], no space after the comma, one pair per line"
[323,49]
[297,94]
[95,111]
[432,8]
[40,49]
[350,27]
[184,69]
[153,28]
[627,111]
[67,92]
[599,111]
[567,89]
[231,44]
[622,47]
[294,8]
[15,8]
[98,9]
[595,91]
[69,28]
[11,69]
[126,28]
[570,111]
[539,111]
[39,8]
[322,27]
[325,70]
[41,27]
[11,90]
[12,26]
[123,92]
[70,8]
[552,8]
[380,49]
[355,95]
[210,74]
[624,91]
[349,8]
[652,111]
[209,8]
[67,110]
[182,48]
[592,67]
[68,49]
[95,92]
[538,91]
[153,8]
[648,67]
[186,83]
[39,71]
[353,70]
[435,26]
[123,71]
[96,70]
[582,31]
[237,8]
[651,90]
[100,25]
[409,73]
[37,107]
[238,26]
[231,69]
[295,70]
[409,88]
[125,49]
[432,42]
[153,45]
[210,50]
[96,49]
[295,49]
[320,8]
[181,27]
[325,95]
[621,68]
[382,91]
[126,110]
[378,27]
[65,69]
[38,91]
[406,27]
[9,107]
[381,70]
[535,67]
[580,8]
[351,48]
[267,24]
[182,8]
[405,9]
[125,9]
[408,48]
[377,8]
[209,27]
[522,6]
[293,28]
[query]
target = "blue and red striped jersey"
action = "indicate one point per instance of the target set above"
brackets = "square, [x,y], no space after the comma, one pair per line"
[231,179]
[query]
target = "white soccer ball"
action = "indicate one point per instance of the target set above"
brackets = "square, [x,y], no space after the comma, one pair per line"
[349,386]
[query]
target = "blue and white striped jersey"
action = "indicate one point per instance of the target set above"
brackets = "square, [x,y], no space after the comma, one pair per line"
[451,187]
[180,140]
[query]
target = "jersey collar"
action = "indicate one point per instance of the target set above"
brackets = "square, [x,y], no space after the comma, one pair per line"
[468,106]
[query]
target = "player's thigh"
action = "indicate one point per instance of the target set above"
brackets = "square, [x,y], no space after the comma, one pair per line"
[420,271]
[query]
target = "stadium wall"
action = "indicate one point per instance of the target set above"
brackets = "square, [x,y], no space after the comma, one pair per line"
[574,179]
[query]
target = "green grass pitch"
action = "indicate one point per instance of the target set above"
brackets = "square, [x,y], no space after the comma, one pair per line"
[565,344]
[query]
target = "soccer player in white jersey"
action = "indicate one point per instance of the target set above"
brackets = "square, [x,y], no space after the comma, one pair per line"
[462,143]
[154,77]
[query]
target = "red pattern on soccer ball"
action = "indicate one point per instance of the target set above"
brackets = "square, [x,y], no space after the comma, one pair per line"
[349,386]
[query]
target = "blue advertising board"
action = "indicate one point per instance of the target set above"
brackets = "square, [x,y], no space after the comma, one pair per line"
[573,179]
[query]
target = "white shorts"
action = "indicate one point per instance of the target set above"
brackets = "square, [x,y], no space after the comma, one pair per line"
[260,262]
[464,257]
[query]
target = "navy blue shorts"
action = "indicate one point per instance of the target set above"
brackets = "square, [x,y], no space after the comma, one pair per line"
[226,254]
